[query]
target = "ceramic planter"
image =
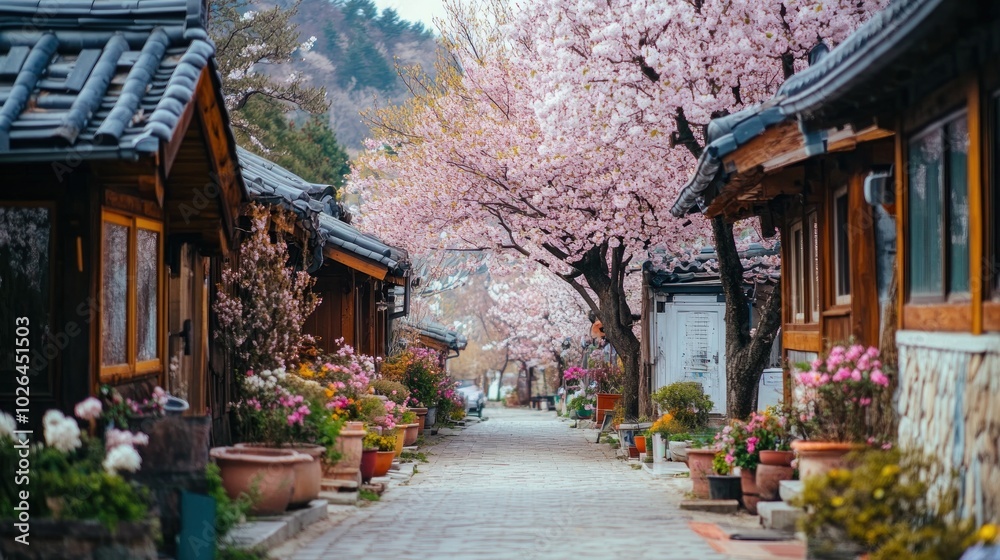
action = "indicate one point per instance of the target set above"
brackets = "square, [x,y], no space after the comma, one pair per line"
[640,442]
[748,482]
[400,441]
[774,467]
[80,540]
[700,464]
[348,444]
[271,472]
[308,475]
[411,433]
[368,457]
[679,451]
[431,417]
[820,457]
[605,405]
[659,449]
[383,462]
[421,419]
[724,487]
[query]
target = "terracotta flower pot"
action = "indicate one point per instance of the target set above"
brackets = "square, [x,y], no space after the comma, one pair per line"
[400,441]
[748,483]
[368,457]
[633,452]
[820,457]
[411,433]
[640,442]
[308,475]
[777,458]
[769,479]
[605,405]
[700,464]
[348,444]
[421,418]
[383,462]
[270,471]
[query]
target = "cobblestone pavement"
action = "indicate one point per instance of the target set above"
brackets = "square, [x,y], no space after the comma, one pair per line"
[520,485]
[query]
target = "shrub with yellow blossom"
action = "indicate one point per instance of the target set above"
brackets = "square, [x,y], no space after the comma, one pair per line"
[885,507]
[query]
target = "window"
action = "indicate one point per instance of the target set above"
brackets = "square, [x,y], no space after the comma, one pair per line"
[938,237]
[131,294]
[812,235]
[841,248]
[799,272]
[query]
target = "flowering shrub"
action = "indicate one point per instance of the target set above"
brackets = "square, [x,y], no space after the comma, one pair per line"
[665,426]
[394,390]
[574,374]
[418,370]
[450,403]
[269,411]
[742,442]
[346,372]
[883,506]
[262,303]
[75,475]
[687,402]
[833,400]
[384,442]
[117,409]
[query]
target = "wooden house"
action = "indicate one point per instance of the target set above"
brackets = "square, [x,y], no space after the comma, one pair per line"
[363,283]
[903,117]
[683,314]
[119,189]
[436,336]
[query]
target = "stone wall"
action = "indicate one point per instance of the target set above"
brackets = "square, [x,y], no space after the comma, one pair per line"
[949,407]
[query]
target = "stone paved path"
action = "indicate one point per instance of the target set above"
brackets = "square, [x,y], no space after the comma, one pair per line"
[520,485]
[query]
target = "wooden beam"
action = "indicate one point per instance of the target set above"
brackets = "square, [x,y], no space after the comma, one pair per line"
[216,136]
[170,149]
[861,247]
[902,208]
[772,143]
[376,271]
[976,197]
[397,280]
[803,341]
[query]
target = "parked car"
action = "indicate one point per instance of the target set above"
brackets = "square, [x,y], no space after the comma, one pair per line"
[475,399]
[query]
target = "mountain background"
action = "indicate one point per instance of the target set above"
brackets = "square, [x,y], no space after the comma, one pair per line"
[354,57]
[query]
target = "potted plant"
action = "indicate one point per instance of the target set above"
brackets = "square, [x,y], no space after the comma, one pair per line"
[369,455]
[78,494]
[700,456]
[677,446]
[607,378]
[687,402]
[775,456]
[722,484]
[833,406]
[384,446]
[410,427]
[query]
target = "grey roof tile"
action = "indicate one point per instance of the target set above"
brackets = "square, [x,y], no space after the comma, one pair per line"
[73,61]
[269,182]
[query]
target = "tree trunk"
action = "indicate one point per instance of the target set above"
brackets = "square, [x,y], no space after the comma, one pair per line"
[746,355]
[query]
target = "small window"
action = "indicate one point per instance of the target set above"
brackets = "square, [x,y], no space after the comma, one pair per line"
[812,235]
[938,254]
[131,295]
[799,272]
[841,247]
[661,306]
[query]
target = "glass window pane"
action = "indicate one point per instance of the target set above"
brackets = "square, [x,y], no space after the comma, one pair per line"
[926,174]
[114,282]
[147,274]
[842,246]
[798,276]
[25,292]
[957,134]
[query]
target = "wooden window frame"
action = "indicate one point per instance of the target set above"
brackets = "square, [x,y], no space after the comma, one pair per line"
[838,297]
[946,296]
[133,368]
[815,305]
[797,262]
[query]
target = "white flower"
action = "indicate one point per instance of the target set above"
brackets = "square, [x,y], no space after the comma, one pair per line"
[308,45]
[61,432]
[122,458]
[7,425]
[88,409]
[114,438]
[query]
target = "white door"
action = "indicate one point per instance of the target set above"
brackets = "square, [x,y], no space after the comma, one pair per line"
[698,349]
[661,341]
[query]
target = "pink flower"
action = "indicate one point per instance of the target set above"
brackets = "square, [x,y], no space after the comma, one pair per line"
[730,459]
[879,378]
[88,409]
[856,375]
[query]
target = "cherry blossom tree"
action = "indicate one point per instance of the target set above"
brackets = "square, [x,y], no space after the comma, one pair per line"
[563,132]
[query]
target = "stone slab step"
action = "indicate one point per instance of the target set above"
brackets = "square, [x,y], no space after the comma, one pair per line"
[779,516]
[271,531]
[711,506]
[342,498]
[335,485]
[790,489]
[666,469]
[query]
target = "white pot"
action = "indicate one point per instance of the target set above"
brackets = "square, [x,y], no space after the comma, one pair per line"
[659,449]
[678,451]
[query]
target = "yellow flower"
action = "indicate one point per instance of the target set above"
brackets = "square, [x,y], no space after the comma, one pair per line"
[837,501]
[878,494]
[987,533]
[890,470]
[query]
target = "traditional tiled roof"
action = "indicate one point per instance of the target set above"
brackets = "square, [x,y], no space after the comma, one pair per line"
[864,55]
[699,269]
[102,78]
[320,214]
[436,331]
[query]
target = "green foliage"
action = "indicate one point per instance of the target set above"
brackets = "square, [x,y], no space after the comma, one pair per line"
[393,390]
[683,436]
[719,464]
[686,401]
[233,553]
[368,495]
[886,507]
[228,513]
[329,431]
[408,456]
